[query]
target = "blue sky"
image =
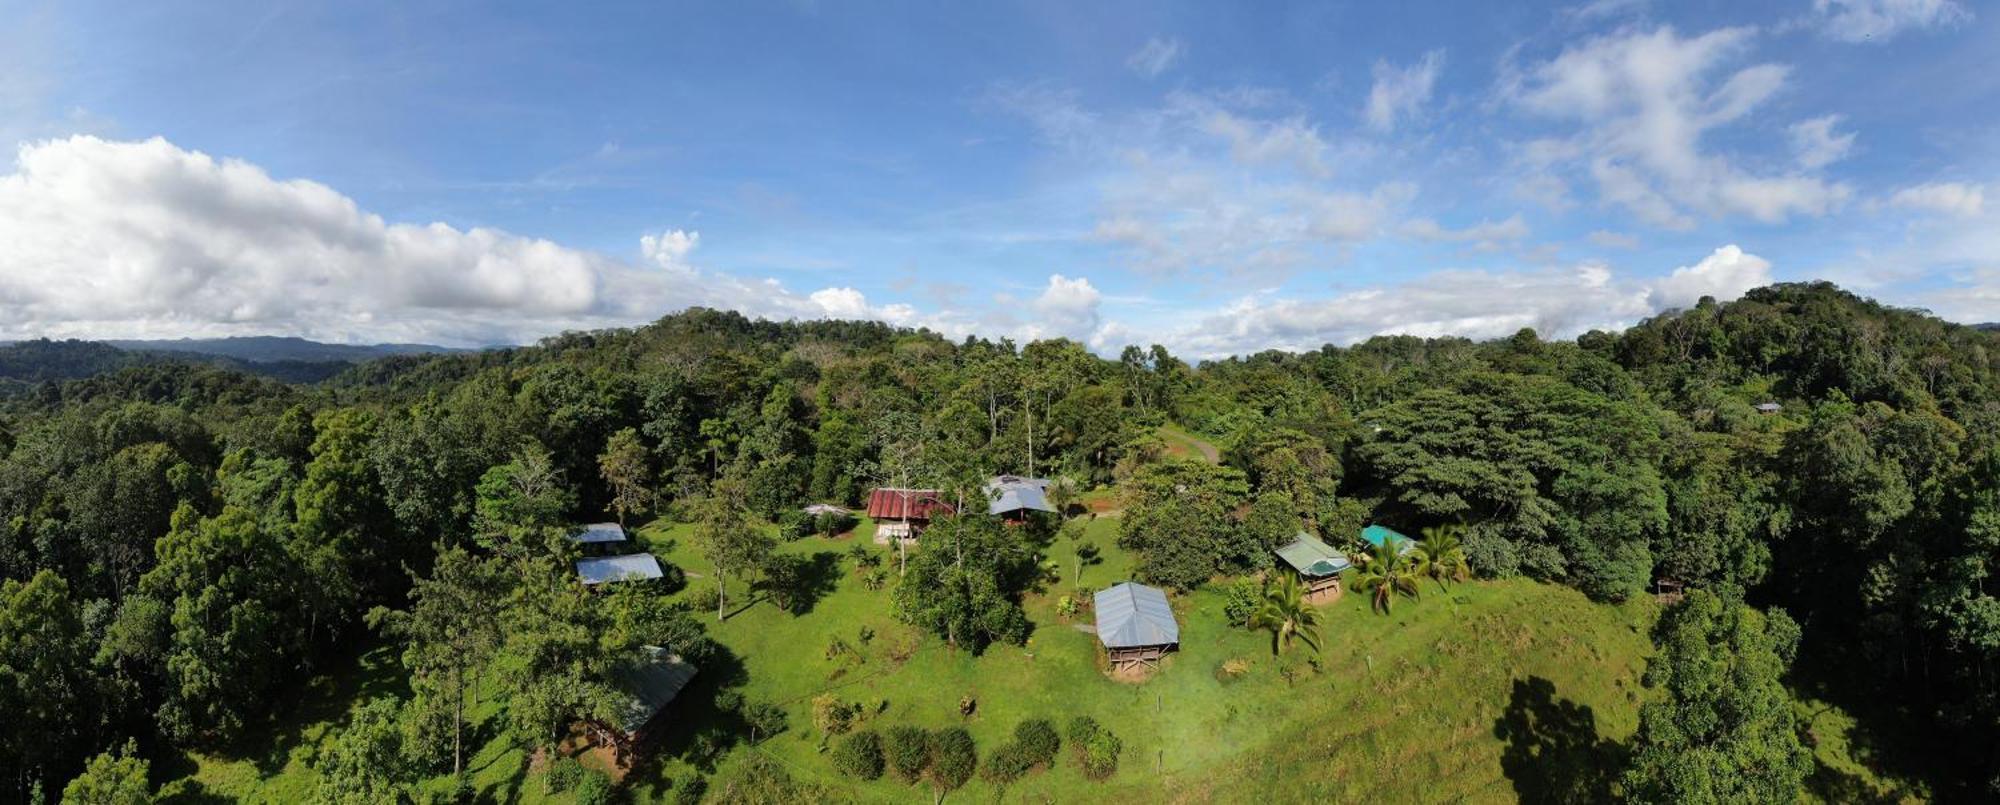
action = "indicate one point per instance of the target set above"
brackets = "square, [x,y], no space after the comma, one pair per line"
[1216,177]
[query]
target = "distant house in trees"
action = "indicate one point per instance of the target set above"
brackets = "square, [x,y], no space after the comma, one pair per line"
[822,509]
[904,513]
[649,682]
[1136,625]
[1769,408]
[595,570]
[1318,564]
[599,534]
[1011,497]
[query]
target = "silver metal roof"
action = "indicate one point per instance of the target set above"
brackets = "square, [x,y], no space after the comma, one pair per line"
[600,569]
[599,532]
[1009,493]
[1132,615]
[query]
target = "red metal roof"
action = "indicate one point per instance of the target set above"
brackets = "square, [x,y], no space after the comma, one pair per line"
[887,504]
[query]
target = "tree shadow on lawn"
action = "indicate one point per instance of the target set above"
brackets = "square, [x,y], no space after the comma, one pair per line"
[1554,753]
[797,583]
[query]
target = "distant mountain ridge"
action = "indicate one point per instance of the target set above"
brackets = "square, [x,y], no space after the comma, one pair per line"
[272,348]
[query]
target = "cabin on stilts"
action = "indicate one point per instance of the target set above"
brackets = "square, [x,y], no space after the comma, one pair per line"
[904,513]
[649,682]
[1318,564]
[1136,625]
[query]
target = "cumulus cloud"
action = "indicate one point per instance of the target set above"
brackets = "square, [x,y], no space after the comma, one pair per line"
[1945,198]
[1881,20]
[1557,303]
[1816,145]
[1400,92]
[1642,101]
[1725,275]
[1154,57]
[107,239]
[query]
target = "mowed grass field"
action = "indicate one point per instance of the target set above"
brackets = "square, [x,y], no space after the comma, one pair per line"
[1492,692]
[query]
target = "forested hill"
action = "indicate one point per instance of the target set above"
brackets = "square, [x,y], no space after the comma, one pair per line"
[26,363]
[275,349]
[204,542]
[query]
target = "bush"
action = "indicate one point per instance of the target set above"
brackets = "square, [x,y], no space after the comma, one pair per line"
[1006,764]
[953,758]
[1038,738]
[1231,670]
[831,715]
[1242,598]
[564,773]
[595,788]
[1096,748]
[764,719]
[832,523]
[859,755]
[909,753]
[794,524]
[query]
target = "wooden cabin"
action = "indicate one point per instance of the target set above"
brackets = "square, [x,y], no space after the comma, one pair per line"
[1318,564]
[649,683]
[904,513]
[1136,625]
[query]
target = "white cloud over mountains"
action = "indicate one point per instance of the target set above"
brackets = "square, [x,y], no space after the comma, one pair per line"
[109,239]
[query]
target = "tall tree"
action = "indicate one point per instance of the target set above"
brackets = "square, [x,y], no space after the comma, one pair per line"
[726,536]
[1286,614]
[1722,729]
[623,466]
[449,632]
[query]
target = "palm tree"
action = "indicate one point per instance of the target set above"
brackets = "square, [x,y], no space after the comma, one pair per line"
[1285,612]
[1440,555]
[1385,574]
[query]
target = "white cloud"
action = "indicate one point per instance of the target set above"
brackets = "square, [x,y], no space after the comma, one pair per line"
[1557,303]
[1400,93]
[1725,275]
[1485,234]
[1613,240]
[1947,198]
[1643,100]
[1816,145]
[110,239]
[1880,20]
[1155,57]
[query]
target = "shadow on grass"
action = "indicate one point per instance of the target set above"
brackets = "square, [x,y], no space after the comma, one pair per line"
[797,583]
[1554,753]
[696,727]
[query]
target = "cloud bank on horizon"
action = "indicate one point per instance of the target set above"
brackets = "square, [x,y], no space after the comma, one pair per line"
[1201,187]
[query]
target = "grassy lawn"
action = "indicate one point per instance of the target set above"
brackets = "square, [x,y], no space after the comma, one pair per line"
[1182,444]
[1496,691]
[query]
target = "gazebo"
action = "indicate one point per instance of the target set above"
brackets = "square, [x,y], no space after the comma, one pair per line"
[1318,564]
[1012,496]
[1136,625]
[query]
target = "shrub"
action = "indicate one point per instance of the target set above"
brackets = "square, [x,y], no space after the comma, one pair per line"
[563,774]
[953,758]
[1006,764]
[831,715]
[1100,755]
[764,719]
[1232,669]
[909,752]
[1066,607]
[864,558]
[832,523]
[1037,737]
[795,524]
[1241,600]
[1096,748]
[595,788]
[859,755]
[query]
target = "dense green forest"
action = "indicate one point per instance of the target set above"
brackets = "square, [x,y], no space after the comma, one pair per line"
[185,546]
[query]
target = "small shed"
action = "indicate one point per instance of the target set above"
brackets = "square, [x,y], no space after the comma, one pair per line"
[1136,625]
[820,509]
[1318,564]
[1769,408]
[597,570]
[1013,496]
[649,683]
[1377,534]
[599,533]
[904,513]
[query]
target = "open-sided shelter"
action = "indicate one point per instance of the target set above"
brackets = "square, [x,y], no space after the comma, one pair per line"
[1318,564]
[595,570]
[598,533]
[1136,625]
[1377,534]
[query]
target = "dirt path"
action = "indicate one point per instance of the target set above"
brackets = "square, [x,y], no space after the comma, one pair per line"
[1183,442]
